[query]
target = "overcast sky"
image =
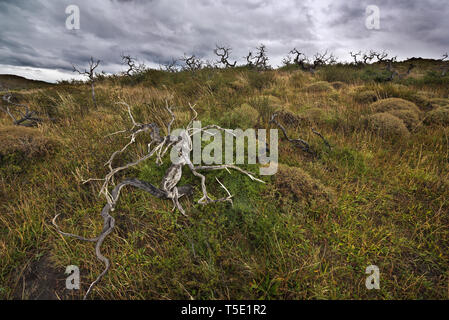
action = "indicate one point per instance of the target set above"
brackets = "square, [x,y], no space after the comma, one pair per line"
[35,43]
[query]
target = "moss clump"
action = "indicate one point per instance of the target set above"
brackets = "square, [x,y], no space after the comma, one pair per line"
[18,143]
[320,86]
[366,96]
[389,104]
[387,126]
[439,116]
[295,184]
[409,117]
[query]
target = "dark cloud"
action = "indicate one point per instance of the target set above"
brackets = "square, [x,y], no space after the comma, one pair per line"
[33,33]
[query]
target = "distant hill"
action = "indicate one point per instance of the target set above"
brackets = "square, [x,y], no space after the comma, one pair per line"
[13,82]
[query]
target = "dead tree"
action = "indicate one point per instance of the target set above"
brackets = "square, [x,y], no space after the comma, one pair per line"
[300,59]
[249,60]
[393,72]
[354,56]
[132,65]
[445,66]
[172,66]
[381,56]
[322,59]
[223,54]
[91,74]
[300,143]
[191,63]
[411,66]
[368,57]
[27,117]
[258,61]
[169,189]
[286,61]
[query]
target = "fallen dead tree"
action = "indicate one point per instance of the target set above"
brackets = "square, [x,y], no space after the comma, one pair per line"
[300,143]
[27,117]
[168,189]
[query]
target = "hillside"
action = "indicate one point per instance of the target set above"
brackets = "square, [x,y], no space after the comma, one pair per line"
[13,82]
[377,195]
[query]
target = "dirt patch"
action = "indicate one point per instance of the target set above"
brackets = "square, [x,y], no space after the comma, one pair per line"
[41,281]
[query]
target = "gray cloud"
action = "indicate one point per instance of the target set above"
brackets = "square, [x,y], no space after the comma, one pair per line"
[33,33]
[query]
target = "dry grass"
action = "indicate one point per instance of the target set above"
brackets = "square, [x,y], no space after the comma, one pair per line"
[390,104]
[439,116]
[319,87]
[388,126]
[22,142]
[389,197]
[294,184]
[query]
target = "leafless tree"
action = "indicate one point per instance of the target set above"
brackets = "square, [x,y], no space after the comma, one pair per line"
[249,59]
[355,55]
[445,66]
[321,59]
[300,59]
[91,74]
[368,57]
[132,65]
[191,63]
[172,66]
[381,56]
[258,60]
[223,53]
[286,61]
[168,189]
[390,68]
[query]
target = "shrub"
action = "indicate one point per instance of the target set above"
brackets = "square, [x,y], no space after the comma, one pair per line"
[295,184]
[389,104]
[387,126]
[410,118]
[260,80]
[340,73]
[19,143]
[421,101]
[320,86]
[439,116]
[367,96]
[376,75]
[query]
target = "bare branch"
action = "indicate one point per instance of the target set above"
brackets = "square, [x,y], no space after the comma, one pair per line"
[223,53]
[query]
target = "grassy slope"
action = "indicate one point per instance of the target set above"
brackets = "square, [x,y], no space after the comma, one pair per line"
[12,82]
[390,204]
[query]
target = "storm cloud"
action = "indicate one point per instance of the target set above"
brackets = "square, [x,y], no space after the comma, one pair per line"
[34,40]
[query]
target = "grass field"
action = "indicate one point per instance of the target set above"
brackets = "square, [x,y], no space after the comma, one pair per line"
[379,197]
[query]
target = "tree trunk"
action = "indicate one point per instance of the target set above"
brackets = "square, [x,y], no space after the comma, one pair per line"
[93,95]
